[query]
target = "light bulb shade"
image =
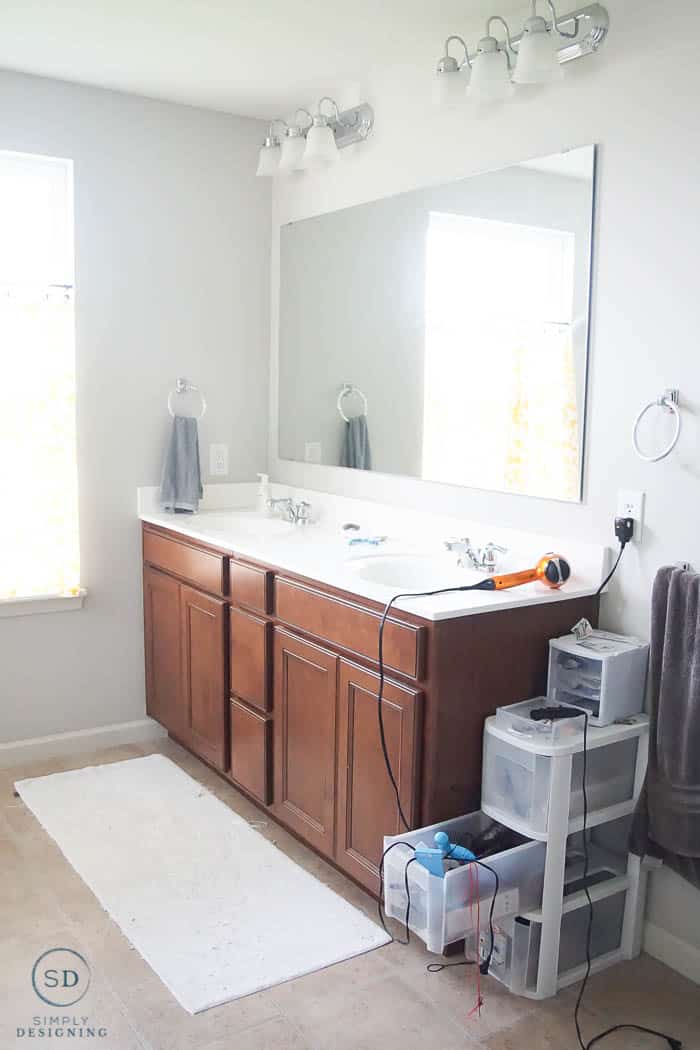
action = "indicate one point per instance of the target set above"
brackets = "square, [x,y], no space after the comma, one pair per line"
[538,59]
[321,149]
[269,159]
[490,80]
[292,156]
[450,85]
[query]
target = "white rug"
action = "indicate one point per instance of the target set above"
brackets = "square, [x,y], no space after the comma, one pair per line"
[216,910]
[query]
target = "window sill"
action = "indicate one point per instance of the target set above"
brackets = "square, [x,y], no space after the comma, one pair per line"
[42,603]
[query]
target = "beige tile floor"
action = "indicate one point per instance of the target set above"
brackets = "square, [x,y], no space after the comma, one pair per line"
[380,1001]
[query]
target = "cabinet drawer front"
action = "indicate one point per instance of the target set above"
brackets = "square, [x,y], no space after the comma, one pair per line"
[250,751]
[250,586]
[350,626]
[250,649]
[200,567]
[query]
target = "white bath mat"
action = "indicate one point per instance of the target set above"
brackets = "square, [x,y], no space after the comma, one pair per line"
[212,906]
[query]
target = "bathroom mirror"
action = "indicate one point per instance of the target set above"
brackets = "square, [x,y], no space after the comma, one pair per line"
[443,333]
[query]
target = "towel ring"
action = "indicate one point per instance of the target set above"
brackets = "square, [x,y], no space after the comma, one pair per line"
[183,386]
[345,391]
[668,401]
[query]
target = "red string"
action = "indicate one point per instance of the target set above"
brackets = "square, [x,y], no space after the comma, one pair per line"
[474,889]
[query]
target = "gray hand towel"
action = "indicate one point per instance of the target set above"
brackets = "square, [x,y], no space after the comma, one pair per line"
[667,818]
[355,451]
[181,484]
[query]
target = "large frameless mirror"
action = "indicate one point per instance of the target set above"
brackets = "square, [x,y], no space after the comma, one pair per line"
[443,333]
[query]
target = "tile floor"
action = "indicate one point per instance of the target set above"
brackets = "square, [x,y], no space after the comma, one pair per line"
[379,1001]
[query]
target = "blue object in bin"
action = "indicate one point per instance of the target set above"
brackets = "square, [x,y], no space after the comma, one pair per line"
[431,859]
[451,850]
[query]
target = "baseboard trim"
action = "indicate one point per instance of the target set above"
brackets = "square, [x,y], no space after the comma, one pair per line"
[671,950]
[18,751]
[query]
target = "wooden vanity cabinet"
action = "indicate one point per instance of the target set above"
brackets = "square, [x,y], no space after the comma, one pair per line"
[273,681]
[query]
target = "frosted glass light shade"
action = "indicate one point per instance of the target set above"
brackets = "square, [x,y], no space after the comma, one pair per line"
[450,85]
[292,157]
[538,61]
[269,160]
[321,149]
[490,80]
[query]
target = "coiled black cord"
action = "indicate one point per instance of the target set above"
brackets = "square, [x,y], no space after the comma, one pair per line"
[674,1044]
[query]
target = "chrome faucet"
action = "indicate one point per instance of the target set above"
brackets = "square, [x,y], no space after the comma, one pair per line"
[483,559]
[296,512]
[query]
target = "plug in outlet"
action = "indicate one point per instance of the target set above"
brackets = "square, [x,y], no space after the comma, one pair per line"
[630,504]
[218,460]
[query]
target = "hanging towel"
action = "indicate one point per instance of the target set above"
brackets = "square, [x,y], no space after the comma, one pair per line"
[355,451]
[181,484]
[667,819]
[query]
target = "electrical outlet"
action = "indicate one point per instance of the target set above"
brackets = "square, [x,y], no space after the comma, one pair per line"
[630,504]
[218,460]
[312,452]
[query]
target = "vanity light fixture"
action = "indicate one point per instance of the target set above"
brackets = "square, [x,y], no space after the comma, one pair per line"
[535,56]
[316,144]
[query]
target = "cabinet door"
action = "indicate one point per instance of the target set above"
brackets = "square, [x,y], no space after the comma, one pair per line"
[305,704]
[202,635]
[367,807]
[161,607]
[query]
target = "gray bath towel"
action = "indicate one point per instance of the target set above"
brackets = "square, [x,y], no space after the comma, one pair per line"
[667,819]
[355,452]
[181,484]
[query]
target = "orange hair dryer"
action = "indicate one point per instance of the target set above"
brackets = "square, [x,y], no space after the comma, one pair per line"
[552,570]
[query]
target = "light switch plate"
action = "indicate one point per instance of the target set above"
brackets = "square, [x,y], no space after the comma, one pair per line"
[630,504]
[218,460]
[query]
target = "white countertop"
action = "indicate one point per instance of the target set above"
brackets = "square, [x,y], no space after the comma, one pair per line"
[320,551]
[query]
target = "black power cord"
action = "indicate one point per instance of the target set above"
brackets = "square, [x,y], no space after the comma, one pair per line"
[482,585]
[674,1044]
[624,530]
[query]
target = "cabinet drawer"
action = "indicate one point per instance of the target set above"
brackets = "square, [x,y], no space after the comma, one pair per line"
[200,567]
[250,586]
[250,751]
[350,626]
[250,649]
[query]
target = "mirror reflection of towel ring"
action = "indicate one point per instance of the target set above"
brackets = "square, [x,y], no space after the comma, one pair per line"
[668,401]
[183,386]
[345,391]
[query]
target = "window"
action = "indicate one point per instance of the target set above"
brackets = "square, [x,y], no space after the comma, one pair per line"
[39,554]
[500,407]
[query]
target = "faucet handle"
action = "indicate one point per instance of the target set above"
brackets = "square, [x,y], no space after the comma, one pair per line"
[458,545]
[489,556]
[303,512]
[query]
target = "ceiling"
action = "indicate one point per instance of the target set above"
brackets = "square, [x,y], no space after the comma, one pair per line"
[252,57]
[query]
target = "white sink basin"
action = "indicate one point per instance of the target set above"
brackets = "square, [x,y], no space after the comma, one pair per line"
[414,572]
[246,523]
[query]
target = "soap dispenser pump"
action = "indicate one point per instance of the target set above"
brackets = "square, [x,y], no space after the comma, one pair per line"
[263,494]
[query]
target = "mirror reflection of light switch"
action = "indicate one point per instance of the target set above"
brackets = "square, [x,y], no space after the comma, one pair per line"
[312,452]
[218,460]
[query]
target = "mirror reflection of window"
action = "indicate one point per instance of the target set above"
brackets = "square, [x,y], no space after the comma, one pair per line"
[500,399]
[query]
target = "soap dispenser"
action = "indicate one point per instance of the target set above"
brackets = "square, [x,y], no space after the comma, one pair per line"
[263,494]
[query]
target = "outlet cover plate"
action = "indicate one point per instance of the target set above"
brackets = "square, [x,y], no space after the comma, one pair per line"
[218,460]
[630,504]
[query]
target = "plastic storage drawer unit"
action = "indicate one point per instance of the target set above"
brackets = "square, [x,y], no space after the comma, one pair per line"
[604,673]
[442,908]
[516,779]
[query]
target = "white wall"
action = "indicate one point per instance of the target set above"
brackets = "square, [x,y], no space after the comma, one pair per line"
[639,100]
[172,278]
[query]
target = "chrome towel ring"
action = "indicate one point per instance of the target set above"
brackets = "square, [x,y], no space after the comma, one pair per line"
[183,386]
[669,402]
[345,391]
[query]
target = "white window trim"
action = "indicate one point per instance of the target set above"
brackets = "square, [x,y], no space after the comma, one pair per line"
[42,603]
